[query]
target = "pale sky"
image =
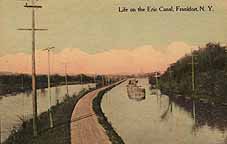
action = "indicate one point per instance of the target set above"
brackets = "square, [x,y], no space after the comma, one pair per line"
[96,28]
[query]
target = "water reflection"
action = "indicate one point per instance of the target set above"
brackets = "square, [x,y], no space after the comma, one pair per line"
[202,114]
[168,110]
[57,92]
[161,119]
[20,106]
[43,92]
[205,114]
[28,93]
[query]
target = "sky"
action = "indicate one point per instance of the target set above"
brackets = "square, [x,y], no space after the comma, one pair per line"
[93,37]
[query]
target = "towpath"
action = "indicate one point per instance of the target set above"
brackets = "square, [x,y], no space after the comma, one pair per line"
[85,128]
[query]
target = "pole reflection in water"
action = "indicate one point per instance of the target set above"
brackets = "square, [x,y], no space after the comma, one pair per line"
[140,122]
[168,109]
[193,110]
[194,127]
[57,94]
[13,108]
[160,101]
[171,104]
[42,92]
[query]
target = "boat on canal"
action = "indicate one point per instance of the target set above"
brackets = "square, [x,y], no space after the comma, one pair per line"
[135,91]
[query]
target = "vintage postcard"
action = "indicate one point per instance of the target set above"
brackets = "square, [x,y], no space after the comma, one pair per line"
[113,71]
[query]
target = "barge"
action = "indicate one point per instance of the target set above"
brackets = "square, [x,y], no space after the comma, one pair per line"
[134,91]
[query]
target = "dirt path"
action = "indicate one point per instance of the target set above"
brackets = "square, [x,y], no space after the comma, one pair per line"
[85,128]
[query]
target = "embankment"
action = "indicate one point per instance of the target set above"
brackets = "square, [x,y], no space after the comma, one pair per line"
[60,134]
[103,120]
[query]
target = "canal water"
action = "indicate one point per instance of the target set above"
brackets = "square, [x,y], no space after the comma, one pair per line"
[159,120]
[14,107]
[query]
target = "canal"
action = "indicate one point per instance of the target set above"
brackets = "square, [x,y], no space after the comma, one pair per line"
[19,105]
[160,120]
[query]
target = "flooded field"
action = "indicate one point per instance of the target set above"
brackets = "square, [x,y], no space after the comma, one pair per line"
[14,107]
[159,119]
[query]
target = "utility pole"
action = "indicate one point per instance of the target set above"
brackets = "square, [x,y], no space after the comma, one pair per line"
[225,67]
[94,78]
[49,85]
[193,74]
[170,77]
[193,71]
[107,79]
[171,86]
[0,129]
[193,84]
[156,79]
[22,81]
[103,81]
[81,78]
[33,6]
[225,61]
[66,80]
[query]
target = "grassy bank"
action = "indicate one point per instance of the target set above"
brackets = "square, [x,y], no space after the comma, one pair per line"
[60,134]
[112,134]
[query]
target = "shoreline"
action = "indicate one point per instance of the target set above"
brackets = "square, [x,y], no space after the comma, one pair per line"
[103,120]
[59,134]
[203,112]
[23,90]
[197,97]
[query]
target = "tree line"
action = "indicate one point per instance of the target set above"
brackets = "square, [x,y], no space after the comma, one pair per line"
[10,83]
[210,74]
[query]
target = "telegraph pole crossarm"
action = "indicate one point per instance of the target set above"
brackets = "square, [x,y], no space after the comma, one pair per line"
[28,29]
[33,29]
[32,6]
[48,49]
